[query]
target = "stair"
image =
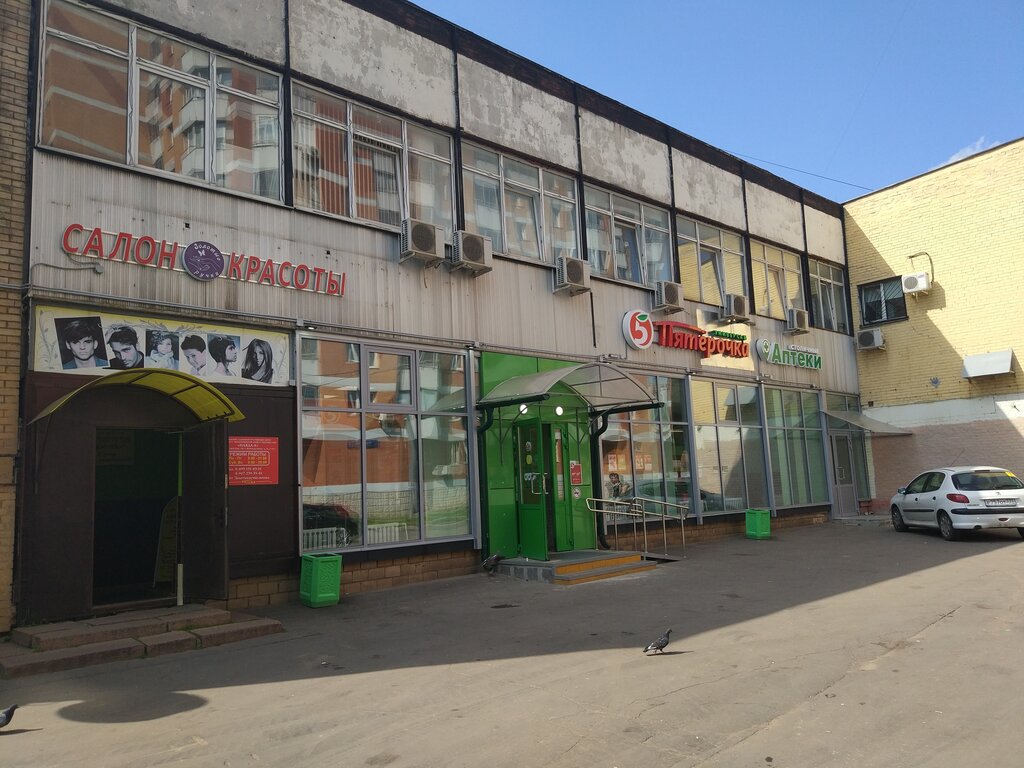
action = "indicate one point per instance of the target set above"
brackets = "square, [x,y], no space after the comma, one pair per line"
[580,567]
[132,635]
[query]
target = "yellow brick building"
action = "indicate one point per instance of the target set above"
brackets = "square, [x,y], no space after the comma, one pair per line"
[944,362]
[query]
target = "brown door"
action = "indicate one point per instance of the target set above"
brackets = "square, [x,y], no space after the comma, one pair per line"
[204,521]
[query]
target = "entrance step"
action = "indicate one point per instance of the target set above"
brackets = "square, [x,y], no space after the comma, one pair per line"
[576,567]
[135,634]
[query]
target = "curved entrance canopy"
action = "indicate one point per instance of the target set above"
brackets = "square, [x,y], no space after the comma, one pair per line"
[604,387]
[205,401]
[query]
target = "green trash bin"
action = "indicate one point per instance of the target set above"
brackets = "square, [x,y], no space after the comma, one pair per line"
[320,580]
[759,524]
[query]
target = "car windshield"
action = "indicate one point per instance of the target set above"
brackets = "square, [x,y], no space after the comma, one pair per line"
[987,481]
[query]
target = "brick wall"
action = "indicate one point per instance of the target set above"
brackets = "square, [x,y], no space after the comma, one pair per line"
[14,47]
[968,218]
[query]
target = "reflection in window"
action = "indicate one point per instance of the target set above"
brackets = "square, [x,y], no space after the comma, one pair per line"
[828,297]
[626,240]
[778,281]
[711,262]
[882,301]
[445,476]
[172,120]
[392,479]
[331,480]
[795,442]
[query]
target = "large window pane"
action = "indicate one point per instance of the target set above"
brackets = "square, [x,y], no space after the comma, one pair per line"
[331,480]
[703,396]
[241,77]
[599,243]
[430,191]
[647,458]
[521,223]
[320,162]
[172,126]
[627,253]
[483,208]
[561,229]
[172,53]
[672,393]
[84,101]
[446,476]
[689,273]
[730,451]
[389,378]
[392,479]
[709,469]
[676,451]
[330,374]
[377,183]
[442,382]
[248,152]
[656,256]
[82,23]
[753,463]
[816,467]
[710,276]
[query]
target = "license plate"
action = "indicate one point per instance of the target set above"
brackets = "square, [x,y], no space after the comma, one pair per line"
[1000,502]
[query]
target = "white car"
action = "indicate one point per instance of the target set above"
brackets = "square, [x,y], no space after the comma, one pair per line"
[955,499]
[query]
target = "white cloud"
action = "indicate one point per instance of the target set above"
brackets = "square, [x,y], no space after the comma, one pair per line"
[971,149]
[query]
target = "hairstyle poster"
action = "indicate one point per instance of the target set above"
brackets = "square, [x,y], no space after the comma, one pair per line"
[83,342]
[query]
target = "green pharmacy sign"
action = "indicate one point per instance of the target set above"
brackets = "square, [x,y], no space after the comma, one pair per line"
[794,355]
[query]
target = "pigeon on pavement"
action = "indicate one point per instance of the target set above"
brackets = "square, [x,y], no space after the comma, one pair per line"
[492,562]
[659,645]
[7,715]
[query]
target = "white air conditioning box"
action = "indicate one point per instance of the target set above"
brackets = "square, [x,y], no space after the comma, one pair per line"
[668,297]
[421,241]
[571,276]
[472,252]
[797,321]
[918,282]
[870,338]
[736,309]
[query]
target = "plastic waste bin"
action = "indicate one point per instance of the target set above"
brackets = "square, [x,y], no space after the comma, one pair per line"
[320,580]
[759,524]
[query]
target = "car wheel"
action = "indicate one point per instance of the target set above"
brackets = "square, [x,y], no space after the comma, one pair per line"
[1021,532]
[949,533]
[897,520]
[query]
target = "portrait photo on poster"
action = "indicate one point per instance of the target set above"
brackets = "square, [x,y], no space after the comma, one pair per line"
[80,341]
[193,349]
[123,341]
[223,350]
[162,350]
[258,364]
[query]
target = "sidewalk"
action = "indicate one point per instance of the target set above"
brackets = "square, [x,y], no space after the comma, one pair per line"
[833,646]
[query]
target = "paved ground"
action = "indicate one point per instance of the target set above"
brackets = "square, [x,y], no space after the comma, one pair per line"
[830,646]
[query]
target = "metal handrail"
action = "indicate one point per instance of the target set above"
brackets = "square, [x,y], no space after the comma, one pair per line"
[635,508]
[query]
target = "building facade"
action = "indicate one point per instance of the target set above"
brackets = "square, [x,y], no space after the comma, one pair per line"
[356,280]
[935,262]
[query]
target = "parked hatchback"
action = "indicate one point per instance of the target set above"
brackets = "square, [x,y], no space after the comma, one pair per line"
[955,499]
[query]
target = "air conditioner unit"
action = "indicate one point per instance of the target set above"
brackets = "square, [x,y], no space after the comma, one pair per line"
[421,241]
[472,252]
[797,321]
[919,282]
[736,309]
[668,297]
[870,339]
[572,275]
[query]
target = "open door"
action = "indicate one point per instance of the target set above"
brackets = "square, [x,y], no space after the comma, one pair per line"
[204,540]
[532,481]
[845,490]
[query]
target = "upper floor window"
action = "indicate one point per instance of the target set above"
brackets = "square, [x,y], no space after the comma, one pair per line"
[525,210]
[828,297]
[117,91]
[778,281]
[711,262]
[357,162]
[882,301]
[626,239]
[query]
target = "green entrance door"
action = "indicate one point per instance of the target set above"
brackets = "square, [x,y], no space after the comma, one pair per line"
[531,490]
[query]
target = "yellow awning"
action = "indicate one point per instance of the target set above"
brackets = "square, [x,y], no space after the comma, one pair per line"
[205,401]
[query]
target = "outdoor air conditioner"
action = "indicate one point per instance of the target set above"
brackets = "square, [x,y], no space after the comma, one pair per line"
[472,252]
[797,321]
[919,282]
[421,241]
[736,309]
[668,297]
[870,339]
[572,275]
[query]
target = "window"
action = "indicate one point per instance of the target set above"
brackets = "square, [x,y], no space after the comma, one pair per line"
[626,240]
[778,280]
[711,262]
[796,445]
[828,297]
[388,468]
[352,161]
[223,130]
[882,302]
[527,211]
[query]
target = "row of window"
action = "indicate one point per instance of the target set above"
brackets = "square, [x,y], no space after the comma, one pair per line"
[116,91]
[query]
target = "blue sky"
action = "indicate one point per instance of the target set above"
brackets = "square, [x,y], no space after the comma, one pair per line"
[869,92]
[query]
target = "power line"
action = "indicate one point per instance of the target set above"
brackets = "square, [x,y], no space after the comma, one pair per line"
[808,173]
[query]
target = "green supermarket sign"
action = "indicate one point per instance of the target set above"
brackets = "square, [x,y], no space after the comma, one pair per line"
[793,354]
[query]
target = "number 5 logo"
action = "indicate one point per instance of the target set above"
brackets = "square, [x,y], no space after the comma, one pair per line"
[638,329]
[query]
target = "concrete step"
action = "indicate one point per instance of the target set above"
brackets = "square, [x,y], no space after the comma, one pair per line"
[582,566]
[596,574]
[41,651]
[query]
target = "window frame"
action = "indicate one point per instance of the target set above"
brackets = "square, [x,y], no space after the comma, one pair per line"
[786,273]
[693,288]
[625,214]
[900,300]
[832,285]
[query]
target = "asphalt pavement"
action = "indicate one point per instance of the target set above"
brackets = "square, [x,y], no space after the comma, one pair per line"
[836,645]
